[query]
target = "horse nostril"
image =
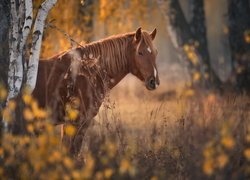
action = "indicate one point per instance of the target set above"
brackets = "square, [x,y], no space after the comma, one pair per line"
[152,83]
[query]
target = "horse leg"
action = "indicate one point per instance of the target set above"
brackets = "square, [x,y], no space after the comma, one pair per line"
[73,143]
[78,138]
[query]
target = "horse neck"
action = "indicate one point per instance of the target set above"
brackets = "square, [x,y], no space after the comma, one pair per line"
[115,75]
[115,78]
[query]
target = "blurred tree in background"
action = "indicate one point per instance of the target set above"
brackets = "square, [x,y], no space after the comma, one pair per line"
[190,39]
[239,37]
[80,20]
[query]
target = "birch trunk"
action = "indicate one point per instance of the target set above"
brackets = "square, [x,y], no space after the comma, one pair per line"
[21,21]
[15,74]
[21,24]
[36,42]
[4,40]
[4,51]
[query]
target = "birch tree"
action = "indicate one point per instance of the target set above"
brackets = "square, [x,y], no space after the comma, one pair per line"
[21,73]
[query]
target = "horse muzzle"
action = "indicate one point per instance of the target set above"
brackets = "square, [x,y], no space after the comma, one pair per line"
[152,83]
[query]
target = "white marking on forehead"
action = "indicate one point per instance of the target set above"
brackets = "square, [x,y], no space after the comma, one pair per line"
[149,50]
[155,72]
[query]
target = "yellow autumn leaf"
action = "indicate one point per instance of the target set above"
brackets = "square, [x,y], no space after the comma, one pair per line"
[12,105]
[208,152]
[124,166]
[76,175]
[30,128]
[6,115]
[68,162]
[27,99]
[193,57]
[247,153]
[70,130]
[154,178]
[189,92]
[73,114]
[99,175]
[3,93]
[27,114]
[186,47]
[208,168]
[228,142]
[206,75]
[247,36]
[108,173]
[196,76]
[248,138]
[56,156]
[222,160]
[39,113]
[34,106]
[1,152]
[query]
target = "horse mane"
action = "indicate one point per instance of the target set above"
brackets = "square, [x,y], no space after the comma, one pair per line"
[112,52]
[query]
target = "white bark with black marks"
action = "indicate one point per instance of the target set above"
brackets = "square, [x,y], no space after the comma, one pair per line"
[21,24]
[37,42]
[15,73]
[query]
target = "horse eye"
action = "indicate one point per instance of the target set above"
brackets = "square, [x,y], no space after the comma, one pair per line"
[140,53]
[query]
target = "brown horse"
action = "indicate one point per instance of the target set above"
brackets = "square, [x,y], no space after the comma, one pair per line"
[85,74]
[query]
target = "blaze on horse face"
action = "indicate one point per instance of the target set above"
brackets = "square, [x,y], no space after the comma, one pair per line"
[145,59]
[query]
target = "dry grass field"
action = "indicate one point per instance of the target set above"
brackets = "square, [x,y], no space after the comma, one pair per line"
[138,134]
[173,135]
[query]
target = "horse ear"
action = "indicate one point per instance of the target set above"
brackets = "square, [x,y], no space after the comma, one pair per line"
[138,34]
[153,34]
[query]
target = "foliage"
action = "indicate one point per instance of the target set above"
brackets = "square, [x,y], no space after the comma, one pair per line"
[39,154]
[77,20]
[121,15]
[65,20]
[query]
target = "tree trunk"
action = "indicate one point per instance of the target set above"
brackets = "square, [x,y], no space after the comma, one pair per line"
[87,10]
[239,38]
[37,42]
[199,31]
[190,40]
[20,75]
[15,73]
[4,49]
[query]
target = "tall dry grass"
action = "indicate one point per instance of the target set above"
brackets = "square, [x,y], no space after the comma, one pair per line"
[172,136]
[137,135]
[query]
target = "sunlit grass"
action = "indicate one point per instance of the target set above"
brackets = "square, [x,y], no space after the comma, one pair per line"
[136,135]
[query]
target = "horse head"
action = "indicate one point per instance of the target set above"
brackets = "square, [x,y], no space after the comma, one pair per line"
[144,58]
